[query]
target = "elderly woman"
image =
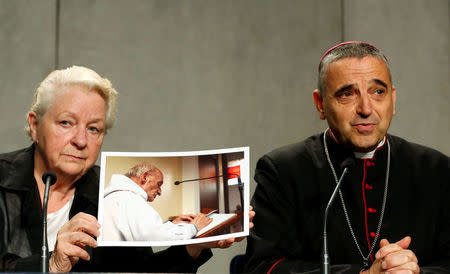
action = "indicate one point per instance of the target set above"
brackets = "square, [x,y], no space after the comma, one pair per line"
[71,112]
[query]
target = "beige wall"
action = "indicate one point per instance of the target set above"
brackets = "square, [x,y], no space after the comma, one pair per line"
[191,190]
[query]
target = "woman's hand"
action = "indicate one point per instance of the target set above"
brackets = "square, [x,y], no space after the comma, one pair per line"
[71,240]
[195,249]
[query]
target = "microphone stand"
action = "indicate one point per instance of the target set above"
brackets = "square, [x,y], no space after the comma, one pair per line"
[241,195]
[325,260]
[49,178]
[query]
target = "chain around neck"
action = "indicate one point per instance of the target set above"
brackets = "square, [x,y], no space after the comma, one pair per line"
[380,221]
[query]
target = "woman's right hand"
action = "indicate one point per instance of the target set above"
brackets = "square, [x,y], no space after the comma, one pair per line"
[71,240]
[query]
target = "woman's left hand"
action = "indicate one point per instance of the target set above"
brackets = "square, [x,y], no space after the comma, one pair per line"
[195,249]
[71,240]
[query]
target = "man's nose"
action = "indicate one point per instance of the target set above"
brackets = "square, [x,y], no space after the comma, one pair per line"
[364,107]
[80,138]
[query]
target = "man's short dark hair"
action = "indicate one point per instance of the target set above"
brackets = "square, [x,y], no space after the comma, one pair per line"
[347,50]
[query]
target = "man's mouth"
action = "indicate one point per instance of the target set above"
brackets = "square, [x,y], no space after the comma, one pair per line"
[364,128]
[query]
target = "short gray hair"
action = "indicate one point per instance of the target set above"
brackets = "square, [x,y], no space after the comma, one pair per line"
[140,169]
[352,49]
[57,82]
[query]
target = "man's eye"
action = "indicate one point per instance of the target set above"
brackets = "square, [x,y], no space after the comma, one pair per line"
[380,91]
[345,94]
[64,123]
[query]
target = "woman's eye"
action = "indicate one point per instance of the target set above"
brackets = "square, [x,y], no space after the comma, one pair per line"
[64,123]
[94,129]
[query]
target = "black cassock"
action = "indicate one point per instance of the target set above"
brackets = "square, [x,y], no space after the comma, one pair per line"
[295,182]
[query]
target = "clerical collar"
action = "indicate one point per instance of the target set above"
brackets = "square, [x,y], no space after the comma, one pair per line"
[370,154]
[362,155]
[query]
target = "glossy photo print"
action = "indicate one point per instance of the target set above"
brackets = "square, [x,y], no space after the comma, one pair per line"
[173,198]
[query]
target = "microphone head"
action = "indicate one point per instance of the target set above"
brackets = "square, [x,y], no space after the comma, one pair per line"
[348,163]
[177,183]
[49,175]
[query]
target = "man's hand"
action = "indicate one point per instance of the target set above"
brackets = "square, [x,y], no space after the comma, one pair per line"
[71,240]
[395,258]
[195,249]
[201,221]
[184,219]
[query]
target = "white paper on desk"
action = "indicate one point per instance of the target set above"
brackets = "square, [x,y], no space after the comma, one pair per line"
[186,197]
[217,220]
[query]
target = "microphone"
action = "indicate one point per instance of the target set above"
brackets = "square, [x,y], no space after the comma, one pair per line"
[325,259]
[49,178]
[199,179]
[240,185]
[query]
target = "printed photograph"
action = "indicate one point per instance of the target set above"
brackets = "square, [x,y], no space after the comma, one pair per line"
[173,198]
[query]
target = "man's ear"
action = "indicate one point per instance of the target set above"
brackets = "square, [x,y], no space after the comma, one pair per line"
[318,102]
[393,100]
[143,178]
[33,124]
